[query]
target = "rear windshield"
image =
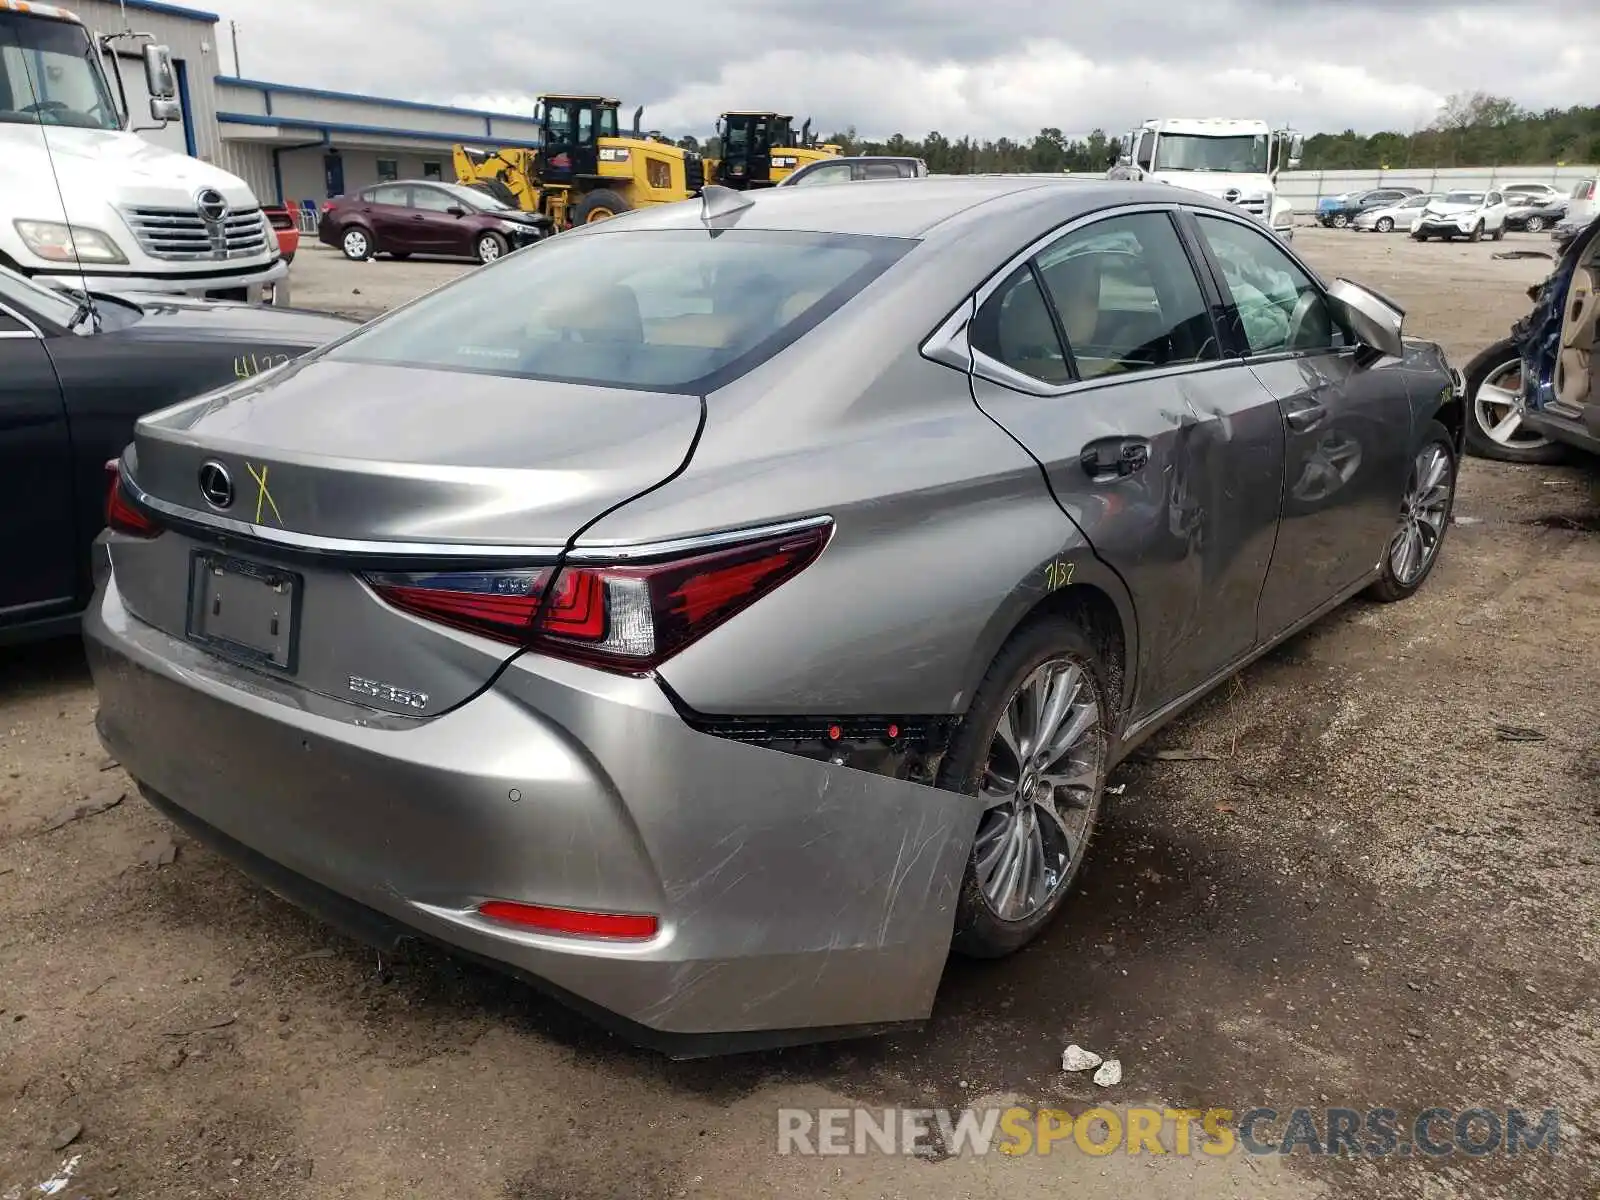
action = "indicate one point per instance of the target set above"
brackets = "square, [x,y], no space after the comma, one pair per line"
[678,310]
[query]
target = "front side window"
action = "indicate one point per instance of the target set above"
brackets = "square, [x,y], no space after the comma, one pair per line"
[585,126]
[558,120]
[432,200]
[675,310]
[1492,199]
[1280,308]
[1127,297]
[608,122]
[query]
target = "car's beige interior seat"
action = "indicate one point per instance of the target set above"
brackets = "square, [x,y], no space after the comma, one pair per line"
[1574,367]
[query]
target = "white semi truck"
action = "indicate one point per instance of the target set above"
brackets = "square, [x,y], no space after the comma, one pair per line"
[85,202]
[1233,160]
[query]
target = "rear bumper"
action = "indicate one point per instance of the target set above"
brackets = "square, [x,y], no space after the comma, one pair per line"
[798,900]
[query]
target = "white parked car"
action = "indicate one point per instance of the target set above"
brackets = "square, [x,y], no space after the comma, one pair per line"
[1463,214]
[1387,218]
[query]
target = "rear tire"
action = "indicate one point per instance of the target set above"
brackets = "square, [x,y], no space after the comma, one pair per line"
[1425,512]
[1039,812]
[1534,224]
[599,205]
[357,244]
[1340,221]
[1419,237]
[1500,234]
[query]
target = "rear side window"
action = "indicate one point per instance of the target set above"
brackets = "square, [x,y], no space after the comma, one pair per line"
[400,196]
[1014,327]
[675,310]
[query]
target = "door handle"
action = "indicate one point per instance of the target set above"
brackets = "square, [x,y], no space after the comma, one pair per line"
[1307,417]
[1114,458]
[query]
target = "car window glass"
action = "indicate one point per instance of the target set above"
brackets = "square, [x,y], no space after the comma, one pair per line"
[1127,296]
[1279,306]
[389,195]
[432,200]
[829,174]
[1014,327]
[9,324]
[1492,198]
[884,170]
[677,310]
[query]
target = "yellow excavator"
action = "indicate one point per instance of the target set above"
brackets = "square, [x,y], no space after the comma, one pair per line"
[584,169]
[760,148]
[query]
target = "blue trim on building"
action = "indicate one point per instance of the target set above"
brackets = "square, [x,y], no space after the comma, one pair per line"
[173,10]
[181,68]
[331,127]
[263,86]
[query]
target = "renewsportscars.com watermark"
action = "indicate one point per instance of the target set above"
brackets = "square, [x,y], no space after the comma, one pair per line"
[1375,1132]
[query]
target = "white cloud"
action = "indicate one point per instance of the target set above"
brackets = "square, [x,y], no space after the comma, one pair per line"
[1004,67]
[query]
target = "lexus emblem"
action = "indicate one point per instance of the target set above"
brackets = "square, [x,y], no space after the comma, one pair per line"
[1231,195]
[211,205]
[216,485]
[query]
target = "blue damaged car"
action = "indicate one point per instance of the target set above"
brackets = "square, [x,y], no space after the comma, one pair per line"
[1537,393]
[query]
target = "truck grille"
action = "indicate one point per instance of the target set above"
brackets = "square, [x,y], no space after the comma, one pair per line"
[1254,206]
[694,170]
[182,234]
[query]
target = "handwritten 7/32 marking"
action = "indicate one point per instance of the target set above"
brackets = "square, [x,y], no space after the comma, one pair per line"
[1057,575]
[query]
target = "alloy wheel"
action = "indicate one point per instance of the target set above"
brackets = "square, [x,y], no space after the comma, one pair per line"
[355,244]
[1497,407]
[1533,224]
[1385,225]
[1039,788]
[488,249]
[1423,513]
[1340,221]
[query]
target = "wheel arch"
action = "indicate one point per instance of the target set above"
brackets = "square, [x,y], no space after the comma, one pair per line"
[1096,599]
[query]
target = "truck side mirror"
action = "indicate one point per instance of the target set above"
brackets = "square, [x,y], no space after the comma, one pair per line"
[1297,150]
[166,110]
[160,78]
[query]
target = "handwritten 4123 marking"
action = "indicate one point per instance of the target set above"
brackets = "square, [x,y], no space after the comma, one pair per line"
[249,365]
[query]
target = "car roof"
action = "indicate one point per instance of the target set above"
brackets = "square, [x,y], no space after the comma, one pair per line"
[914,208]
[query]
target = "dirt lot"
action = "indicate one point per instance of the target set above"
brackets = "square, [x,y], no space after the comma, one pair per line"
[1367,897]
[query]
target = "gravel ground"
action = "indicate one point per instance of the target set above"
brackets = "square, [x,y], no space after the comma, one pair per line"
[1364,896]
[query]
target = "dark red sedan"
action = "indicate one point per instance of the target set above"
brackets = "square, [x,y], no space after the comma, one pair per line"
[427,217]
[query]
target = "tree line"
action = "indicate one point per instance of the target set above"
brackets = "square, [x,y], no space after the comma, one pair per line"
[1471,130]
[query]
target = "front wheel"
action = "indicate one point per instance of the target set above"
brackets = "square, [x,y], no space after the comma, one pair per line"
[598,205]
[1419,237]
[1340,221]
[1477,233]
[489,247]
[1033,751]
[1425,509]
[1494,413]
[1534,224]
[356,244]
[1384,225]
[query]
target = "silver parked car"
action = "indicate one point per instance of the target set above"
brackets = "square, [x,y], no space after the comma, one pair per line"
[1386,218]
[714,613]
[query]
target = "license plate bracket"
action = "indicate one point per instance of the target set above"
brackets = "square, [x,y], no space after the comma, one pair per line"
[243,610]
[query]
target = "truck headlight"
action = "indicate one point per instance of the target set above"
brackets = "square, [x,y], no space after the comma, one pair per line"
[55,241]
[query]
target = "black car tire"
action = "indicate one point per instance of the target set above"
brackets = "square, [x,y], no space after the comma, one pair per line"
[1384,225]
[1479,443]
[1419,236]
[1389,588]
[979,932]
[1533,224]
[489,246]
[357,243]
[1477,233]
[1499,235]
[1340,221]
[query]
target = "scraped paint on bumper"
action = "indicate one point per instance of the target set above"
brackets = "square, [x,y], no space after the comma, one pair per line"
[793,895]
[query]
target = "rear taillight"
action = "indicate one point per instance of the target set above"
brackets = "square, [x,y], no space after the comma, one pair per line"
[122,516]
[625,927]
[618,617]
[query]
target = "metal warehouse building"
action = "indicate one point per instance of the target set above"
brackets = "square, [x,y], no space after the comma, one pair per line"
[291,144]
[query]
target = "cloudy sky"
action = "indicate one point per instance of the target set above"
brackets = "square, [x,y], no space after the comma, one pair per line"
[984,68]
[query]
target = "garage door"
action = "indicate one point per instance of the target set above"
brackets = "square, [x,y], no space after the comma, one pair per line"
[139,105]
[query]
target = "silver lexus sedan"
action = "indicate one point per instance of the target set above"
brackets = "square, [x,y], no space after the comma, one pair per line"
[718,613]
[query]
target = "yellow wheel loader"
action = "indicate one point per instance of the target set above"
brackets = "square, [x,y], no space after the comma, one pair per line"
[584,169]
[760,148]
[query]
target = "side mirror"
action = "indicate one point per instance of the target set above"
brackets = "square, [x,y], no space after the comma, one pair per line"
[159,76]
[166,110]
[1297,150]
[1375,318]
[455,210]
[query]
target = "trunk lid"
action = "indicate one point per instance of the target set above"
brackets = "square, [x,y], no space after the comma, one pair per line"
[369,465]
